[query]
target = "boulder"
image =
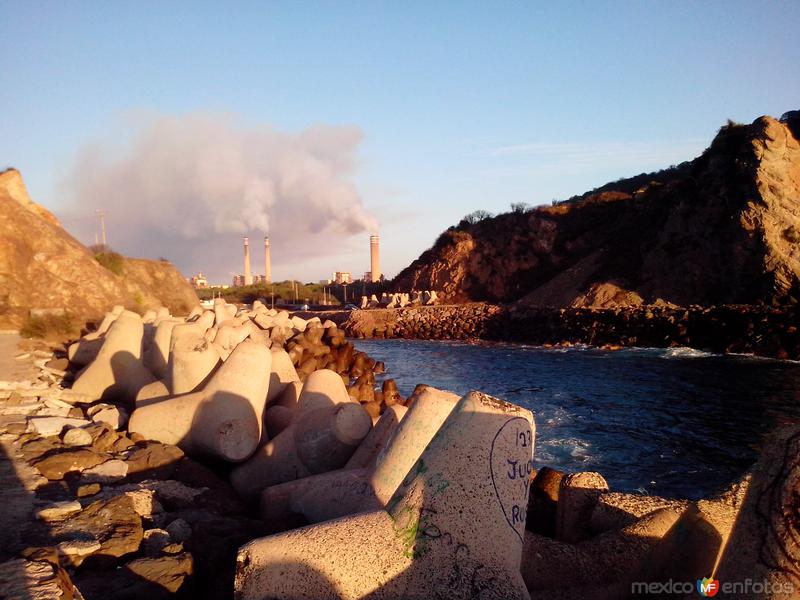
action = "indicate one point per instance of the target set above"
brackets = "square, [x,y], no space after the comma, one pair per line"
[77,436]
[46,426]
[113,523]
[58,511]
[55,466]
[166,572]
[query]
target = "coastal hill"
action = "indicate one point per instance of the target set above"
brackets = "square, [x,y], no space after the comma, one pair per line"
[44,267]
[721,229]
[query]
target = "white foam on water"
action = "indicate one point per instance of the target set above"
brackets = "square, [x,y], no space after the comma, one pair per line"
[686,352]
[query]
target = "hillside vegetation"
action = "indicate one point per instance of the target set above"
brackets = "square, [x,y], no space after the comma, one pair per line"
[44,269]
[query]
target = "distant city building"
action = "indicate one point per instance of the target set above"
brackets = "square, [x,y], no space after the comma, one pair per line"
[238,280]
[198,281]
[261,280]
[342,277]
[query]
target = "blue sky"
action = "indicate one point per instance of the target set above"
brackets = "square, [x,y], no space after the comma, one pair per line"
[443,108]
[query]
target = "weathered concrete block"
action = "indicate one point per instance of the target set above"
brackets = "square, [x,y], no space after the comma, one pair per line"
[382,432]
[454,527]
[764,544]
[157,355]
[117,373]
[319,434]
[223,420]
[577,498]
[192,359]
[283,373]
[609,562]
[372,482]
[276,419]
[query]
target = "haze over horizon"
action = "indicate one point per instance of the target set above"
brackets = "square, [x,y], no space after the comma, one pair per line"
[321,123]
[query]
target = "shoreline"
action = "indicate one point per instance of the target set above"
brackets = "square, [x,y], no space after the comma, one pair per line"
[152,518]
[727,329]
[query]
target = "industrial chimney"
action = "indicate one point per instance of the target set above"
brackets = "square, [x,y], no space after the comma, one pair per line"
[267,265]
[248,277]
[375,258]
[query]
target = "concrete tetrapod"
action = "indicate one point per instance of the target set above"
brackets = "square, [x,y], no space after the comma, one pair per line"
[321,433]
[191,358]
[336,493]
[453,529]
[764,544]
[117,373]
[224,419]
[283,373]
[157,356]
[85,350]
[372,482]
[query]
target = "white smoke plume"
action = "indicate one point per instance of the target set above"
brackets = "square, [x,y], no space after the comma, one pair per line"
[190,186]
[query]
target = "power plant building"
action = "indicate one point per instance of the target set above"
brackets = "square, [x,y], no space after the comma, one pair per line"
[267,262]
[375,258]
[248,278]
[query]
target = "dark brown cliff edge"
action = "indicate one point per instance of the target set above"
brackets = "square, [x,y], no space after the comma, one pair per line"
[766,331]
[721,229]
[44,267]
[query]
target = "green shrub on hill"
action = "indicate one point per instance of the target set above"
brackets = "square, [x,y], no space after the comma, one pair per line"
[112,261]
[49,326]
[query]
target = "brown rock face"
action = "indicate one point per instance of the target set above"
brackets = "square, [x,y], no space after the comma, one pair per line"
[113,523]
[723,228]
[42,266]
[55,466]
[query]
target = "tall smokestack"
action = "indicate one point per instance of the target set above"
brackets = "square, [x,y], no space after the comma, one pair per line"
[267,265]
[375,257]
[248,277]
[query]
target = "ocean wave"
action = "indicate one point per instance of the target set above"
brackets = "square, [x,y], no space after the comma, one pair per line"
[686,352]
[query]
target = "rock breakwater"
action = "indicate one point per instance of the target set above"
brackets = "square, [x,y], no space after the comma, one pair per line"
[202,493]
[763,331]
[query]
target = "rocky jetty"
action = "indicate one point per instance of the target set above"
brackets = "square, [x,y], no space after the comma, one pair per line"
[115,448]
[248,453]
[762,331]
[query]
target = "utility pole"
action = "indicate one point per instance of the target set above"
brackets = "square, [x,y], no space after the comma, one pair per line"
[101,213]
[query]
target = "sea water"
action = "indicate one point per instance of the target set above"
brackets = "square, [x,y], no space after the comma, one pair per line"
[674,422]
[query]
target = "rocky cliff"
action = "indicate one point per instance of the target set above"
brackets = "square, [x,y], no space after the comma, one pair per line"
[44,267]
[723,228]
